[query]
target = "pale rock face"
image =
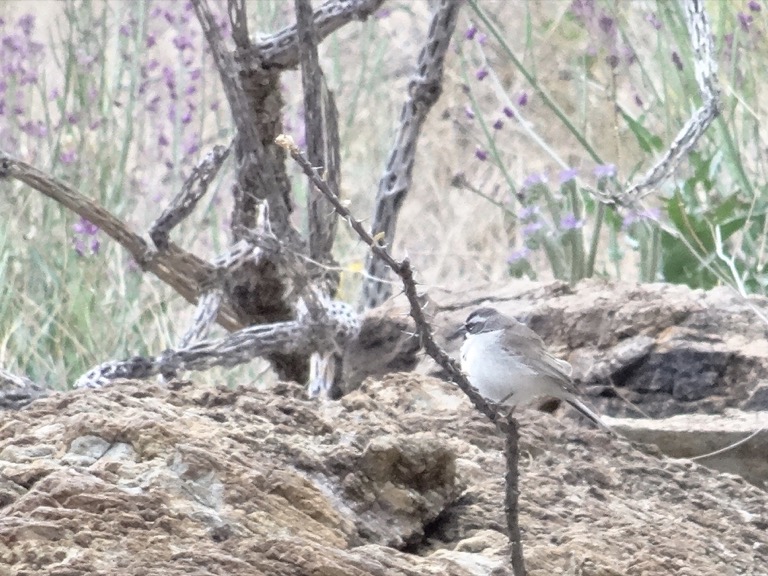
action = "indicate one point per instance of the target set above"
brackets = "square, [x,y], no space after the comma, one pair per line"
[402,476]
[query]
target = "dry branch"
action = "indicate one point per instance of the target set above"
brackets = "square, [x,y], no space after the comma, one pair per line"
[281,50]
[194,188]
[259,291]
[236,348]
[702,44]
[424,89]
[183,271]
[322,136]
[506,423]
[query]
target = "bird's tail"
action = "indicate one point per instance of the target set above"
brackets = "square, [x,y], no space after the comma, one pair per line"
[586,411]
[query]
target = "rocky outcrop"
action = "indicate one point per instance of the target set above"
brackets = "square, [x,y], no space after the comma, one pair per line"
[640,349]
[399,477]
[735,442]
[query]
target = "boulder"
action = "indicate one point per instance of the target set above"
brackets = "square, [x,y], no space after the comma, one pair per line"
[401,476]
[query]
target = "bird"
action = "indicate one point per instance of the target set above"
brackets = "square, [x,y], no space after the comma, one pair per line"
[508,363]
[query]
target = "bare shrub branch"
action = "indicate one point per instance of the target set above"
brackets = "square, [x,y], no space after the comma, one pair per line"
[322,136]
[183,271]
[705,65]
[194,188]
[281,49]
[424,89]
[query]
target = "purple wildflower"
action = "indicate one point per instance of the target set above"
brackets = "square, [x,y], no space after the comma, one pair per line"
[567,175]
[584,10]
[12,42]
[85,227]
[605,171]
[570,222]
[187,118]
[754,6]
[193,146]
[481,154]
[745,21]
[534,179]
[29,77]
[508,112]
[182,42]
[468,112]
[170,80]
[519,254]
[522,100]
[633,216]
[654,21]
[85,230]
[482,39]
[498,125]
[26,23]
[153,104]
[606,23]
[68,157]
[481,74]
[527,212]
[531,228]
[470,33]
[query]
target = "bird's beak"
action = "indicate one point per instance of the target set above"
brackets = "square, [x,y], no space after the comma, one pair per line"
[460,332]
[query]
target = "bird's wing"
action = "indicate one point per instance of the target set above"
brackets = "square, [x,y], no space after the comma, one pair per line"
[530,351]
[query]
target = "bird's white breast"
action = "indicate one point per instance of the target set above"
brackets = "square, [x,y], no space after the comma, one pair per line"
[496,373]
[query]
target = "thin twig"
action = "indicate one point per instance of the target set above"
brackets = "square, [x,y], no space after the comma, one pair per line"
[512,491]
[506,424]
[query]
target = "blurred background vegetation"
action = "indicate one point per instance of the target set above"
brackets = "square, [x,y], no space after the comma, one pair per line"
[121,99]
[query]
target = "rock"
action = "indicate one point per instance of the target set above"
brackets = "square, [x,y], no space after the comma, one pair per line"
[736,442]
[386,344]
[758,397]
[654,349]
[402,476]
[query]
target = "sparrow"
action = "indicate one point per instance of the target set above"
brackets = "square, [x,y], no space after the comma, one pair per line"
[509,364]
